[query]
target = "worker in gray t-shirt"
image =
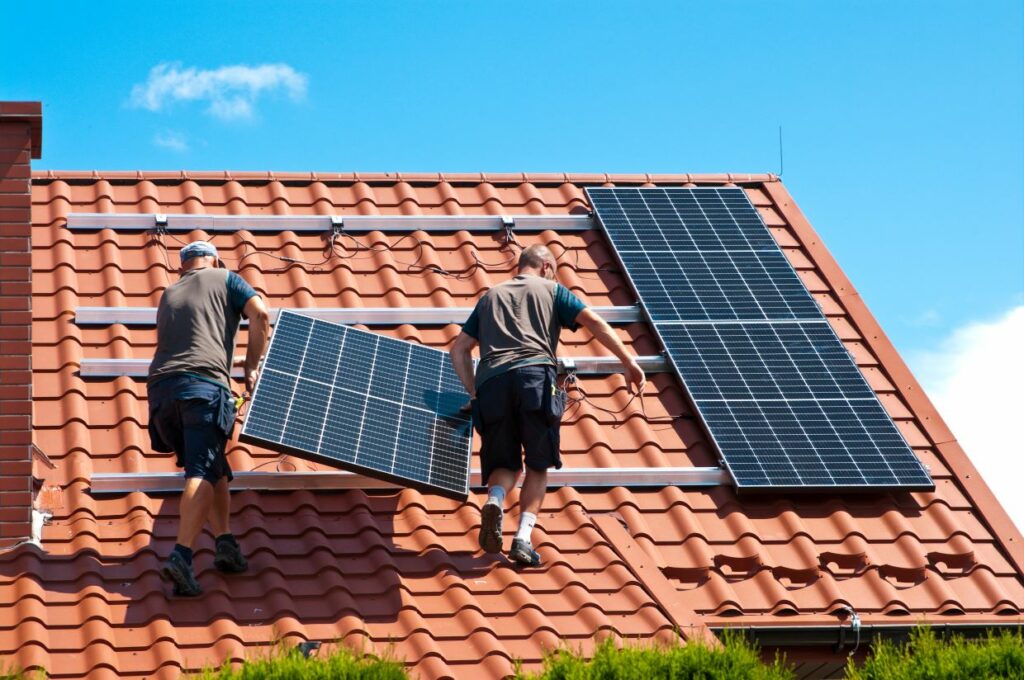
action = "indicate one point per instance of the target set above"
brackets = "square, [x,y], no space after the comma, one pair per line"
[517,406]
[191,408]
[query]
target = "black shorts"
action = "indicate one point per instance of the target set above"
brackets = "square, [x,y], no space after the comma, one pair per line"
[517,412]
[193,418]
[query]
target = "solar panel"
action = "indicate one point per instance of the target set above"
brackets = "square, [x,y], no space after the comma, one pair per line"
[780,396]
[364,402]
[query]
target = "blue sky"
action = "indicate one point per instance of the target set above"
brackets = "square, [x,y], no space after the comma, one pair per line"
[904,122]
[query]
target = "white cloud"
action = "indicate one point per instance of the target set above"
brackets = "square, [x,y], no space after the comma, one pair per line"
[976,380]
[168,139]
[231,91]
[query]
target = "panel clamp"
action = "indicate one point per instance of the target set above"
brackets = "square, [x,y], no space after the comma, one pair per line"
[337,225]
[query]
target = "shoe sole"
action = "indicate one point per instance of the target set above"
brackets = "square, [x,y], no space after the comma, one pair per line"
[182,587]
[524,559]
[229,567]
[490,528]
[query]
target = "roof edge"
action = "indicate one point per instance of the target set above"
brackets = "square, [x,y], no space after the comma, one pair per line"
[992,512]
[555,178]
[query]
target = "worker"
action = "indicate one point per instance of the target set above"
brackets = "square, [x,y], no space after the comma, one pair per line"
[191,406]
[516,404]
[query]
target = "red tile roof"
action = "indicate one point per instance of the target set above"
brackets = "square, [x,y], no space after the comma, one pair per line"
[376,568]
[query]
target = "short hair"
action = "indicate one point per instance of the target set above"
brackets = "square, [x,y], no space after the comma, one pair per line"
[534,256]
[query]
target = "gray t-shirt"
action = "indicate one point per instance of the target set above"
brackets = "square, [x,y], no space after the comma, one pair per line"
[517,323]
[196,324]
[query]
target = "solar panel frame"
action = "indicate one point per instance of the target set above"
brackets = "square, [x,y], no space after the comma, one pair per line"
[307,412]
[914,474]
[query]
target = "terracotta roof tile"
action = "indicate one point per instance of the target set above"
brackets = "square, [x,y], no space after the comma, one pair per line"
[372,568]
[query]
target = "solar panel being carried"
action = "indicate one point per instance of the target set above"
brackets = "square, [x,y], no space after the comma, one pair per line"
[779,394]
[364,402]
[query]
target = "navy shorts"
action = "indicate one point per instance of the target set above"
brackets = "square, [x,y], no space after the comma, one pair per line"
[518,415]
[193,418]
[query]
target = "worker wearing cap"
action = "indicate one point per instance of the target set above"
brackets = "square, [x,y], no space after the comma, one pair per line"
[191,408]
[517,406]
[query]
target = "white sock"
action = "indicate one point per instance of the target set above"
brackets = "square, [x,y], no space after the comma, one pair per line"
[526,522]
[497,494]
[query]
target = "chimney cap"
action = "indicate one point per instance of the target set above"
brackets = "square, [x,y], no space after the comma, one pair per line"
[26,112]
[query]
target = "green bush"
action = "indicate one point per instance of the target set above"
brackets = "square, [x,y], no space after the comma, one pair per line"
[736,659]
[925,657]
[341,664]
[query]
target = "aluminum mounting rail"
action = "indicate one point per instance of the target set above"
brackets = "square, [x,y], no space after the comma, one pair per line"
[138,368]
[327,223]
[173,482]
[367,316]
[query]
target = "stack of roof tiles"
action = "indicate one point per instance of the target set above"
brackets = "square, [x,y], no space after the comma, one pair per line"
[402,568]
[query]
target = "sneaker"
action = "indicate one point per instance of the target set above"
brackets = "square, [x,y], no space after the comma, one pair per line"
[229,559]
[523,554]
[180,574]
[491,517]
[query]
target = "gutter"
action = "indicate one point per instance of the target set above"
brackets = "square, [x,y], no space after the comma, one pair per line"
[845,637]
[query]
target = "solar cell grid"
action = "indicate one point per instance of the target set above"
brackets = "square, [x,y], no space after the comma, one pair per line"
[718,285]
[781,397]
[353,399]
[764,361]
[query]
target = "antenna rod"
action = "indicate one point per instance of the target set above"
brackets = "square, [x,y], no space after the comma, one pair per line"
[780,152]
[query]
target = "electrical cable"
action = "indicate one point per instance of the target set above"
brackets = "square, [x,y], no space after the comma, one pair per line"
[509,244]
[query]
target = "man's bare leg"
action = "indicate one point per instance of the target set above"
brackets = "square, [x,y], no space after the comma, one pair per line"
[535,486]
[228,554]
[195,506]
[499,483]
[506,479]
[196,502]
[220,510]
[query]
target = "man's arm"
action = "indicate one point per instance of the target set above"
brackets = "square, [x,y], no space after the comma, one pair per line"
[255,311]
[462,360]
[604,334]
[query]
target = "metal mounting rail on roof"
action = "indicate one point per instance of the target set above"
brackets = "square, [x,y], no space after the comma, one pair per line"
[156,482]
[327,223]
[138,368]
[367,316]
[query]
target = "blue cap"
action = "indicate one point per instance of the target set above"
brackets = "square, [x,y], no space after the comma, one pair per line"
[198,249]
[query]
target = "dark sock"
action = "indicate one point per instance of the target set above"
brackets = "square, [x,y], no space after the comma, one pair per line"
[227,538]
[186,553]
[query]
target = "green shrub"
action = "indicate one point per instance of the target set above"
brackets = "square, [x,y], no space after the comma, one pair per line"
[15,673]
[341,664]
[925,657]
[736,659]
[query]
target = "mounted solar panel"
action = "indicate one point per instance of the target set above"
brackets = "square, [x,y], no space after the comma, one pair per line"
[359,401]
[782,399]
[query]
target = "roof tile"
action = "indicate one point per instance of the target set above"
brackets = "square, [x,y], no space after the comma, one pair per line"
[372,568]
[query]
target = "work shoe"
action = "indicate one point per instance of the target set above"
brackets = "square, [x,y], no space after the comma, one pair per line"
[523,554]
[180,574]
[491,517]
[228,557]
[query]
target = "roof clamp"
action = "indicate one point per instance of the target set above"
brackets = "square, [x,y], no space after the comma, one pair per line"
[160,223]
[509,223]
[337,225]
[569,369]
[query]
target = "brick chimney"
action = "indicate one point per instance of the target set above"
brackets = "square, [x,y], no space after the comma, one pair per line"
[21,132]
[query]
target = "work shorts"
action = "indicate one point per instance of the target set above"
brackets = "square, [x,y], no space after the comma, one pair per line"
[518,415]
[193,418]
